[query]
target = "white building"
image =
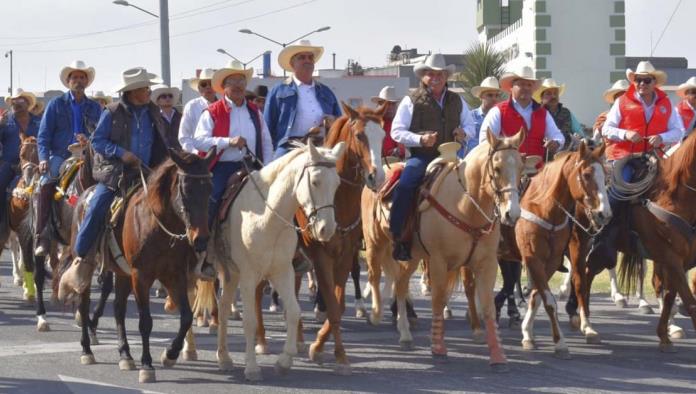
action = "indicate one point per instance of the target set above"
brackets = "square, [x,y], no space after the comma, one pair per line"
[579,43]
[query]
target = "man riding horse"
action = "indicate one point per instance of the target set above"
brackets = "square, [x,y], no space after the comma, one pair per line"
[68,118]
[424,120]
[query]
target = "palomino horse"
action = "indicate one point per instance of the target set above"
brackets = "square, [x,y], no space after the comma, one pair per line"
[459,228]
[572,180]
[163,235]
[257,241]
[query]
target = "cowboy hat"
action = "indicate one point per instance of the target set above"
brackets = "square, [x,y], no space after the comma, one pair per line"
[689,84]
[233,67]
[621,85]
[100,96]
[136,78]
[646,68]
[435,62]
[77,65]
[38,108]
[19,92]
[520,72]
[205,74]
[163,89]
[285,56]
[546,84]
[388,93]
[487,85]
[261,91]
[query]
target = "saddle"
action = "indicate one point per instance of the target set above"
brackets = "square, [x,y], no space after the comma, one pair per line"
[118,206]
[234,185]
[68,171]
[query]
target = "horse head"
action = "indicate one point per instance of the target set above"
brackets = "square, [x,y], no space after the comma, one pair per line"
[315,187]
[589,189]
[362,131]
[194,185]
[29,159]
[504,169]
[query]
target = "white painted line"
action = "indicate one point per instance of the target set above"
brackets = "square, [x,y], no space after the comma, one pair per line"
[61,347]
[79,386]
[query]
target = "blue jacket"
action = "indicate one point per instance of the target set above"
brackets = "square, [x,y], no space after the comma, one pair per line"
[281,106]
[55,132]
[141,139]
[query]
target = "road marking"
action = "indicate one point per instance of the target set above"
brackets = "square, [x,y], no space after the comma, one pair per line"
[61,347]
[79,386]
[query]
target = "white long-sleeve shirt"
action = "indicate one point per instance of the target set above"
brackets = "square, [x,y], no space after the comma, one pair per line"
[309,113]
[404,114]
[493,120]
[611,130]
[189,120]
[241,125]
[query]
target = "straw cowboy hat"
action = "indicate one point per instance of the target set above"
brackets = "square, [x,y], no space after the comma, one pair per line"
[205,74]
[233,67]
[435,62]
[289,51]
[646,68]
[520,72]
[38,108]
[388,93]
[689,84]
[621,85]
[136,78]
[100,96]
[162,89]
[77,65]
[19,92]
[546,84]
[487,85]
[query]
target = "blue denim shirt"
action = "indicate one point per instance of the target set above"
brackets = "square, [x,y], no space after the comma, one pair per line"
[281,106]
[32,129]
[477,115]
[76,114]
[56,131]
[142,135]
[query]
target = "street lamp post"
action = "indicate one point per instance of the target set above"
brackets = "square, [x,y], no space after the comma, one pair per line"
[224,52]
[284,44]
[9,54]
[164,34]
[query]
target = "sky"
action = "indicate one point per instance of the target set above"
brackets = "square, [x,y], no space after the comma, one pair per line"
[46,35]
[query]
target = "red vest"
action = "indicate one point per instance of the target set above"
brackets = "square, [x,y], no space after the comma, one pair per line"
[511,122]
[220,113]
[633,118]
[687,115]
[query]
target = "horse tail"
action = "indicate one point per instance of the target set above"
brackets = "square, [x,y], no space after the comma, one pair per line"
[205,297]
[630,270]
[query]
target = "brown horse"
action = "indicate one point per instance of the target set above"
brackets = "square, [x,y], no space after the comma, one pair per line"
[360,165]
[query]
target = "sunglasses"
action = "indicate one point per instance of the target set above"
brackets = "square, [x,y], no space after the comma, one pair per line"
[203,84]
[646,81]
[303,56]
[166,96]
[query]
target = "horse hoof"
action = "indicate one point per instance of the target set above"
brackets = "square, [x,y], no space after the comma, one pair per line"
[212,328]
[261,349]
[343,370]
[528,345]
[593,339]
[78,319]
[147,375]
[93,340]
[283,364]
[316,356]
[160,293]
[201,321]
[562,354]
[166,362]
[189,355]
[447,313]
[479,337]
[225,365]
[621,303]
[676,332]
[406,345]
[667,348]
[439,358]
[374,320]
[301,347]
[87,359]
[646,310]
[126,365]
[425,290]
[360,313]
[42,326]
[500,368]
[235,315]
[253,375]
[575,322]
[18,282]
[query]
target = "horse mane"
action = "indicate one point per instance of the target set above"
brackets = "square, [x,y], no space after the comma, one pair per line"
[677,169]
[160,186]
[28,151]
[270,171]
[540,191]
[335,134]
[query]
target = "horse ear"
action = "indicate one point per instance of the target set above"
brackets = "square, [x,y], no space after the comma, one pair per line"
[337,150]
[381,109]
[314,154]
[176,158]
[210,156]
[491,138]
[518,138]
[348,110]
[582,150]
[598,152]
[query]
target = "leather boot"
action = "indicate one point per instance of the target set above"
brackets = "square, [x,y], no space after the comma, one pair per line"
[43,213]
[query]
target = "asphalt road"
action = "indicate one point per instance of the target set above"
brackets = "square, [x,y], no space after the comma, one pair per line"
[627,360]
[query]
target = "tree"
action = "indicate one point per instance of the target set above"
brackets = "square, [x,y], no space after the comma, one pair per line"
[482,61]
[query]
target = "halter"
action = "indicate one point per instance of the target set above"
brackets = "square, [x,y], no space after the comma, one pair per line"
[497,192]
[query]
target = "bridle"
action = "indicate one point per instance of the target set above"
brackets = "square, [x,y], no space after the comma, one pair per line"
[498,193]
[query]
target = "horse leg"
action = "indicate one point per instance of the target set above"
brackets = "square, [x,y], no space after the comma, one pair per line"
[261,345]
[107,288]
[229,289]
[485,274]
[178,291]
[666,345]
[425,278]
[616,296]
[214,321]
[374,275]
[123,289]
[189,352]
[87,357]
[528,321]
[643,305]
[402,320]
[39,279]
[360,311]
[565,288]
[17,269]
[540,274]
[301,346]
[141,287]
[674,331]
[469,283]
[252,372]
[340,278]
[578,270]
[283,282]
[438,282]
[325,279]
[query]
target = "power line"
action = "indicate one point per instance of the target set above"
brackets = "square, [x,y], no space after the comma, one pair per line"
[652,50]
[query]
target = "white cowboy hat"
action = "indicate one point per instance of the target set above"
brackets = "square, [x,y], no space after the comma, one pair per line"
[388,93]
[621,85]
[546,84]
[162,89]
[521,72]
[38,108]
[99,95]
[205,74]
[136,78]
[646,68]
[289,51]
[77,65]
[487,85]
[19,92]
[232,68]
[434,62]
[689,84]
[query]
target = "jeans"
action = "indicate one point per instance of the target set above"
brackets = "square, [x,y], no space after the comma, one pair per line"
[405,191]
[95,218]
[54,163]
[221,173]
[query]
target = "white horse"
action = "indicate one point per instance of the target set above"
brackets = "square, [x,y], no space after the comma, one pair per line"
[258,239]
